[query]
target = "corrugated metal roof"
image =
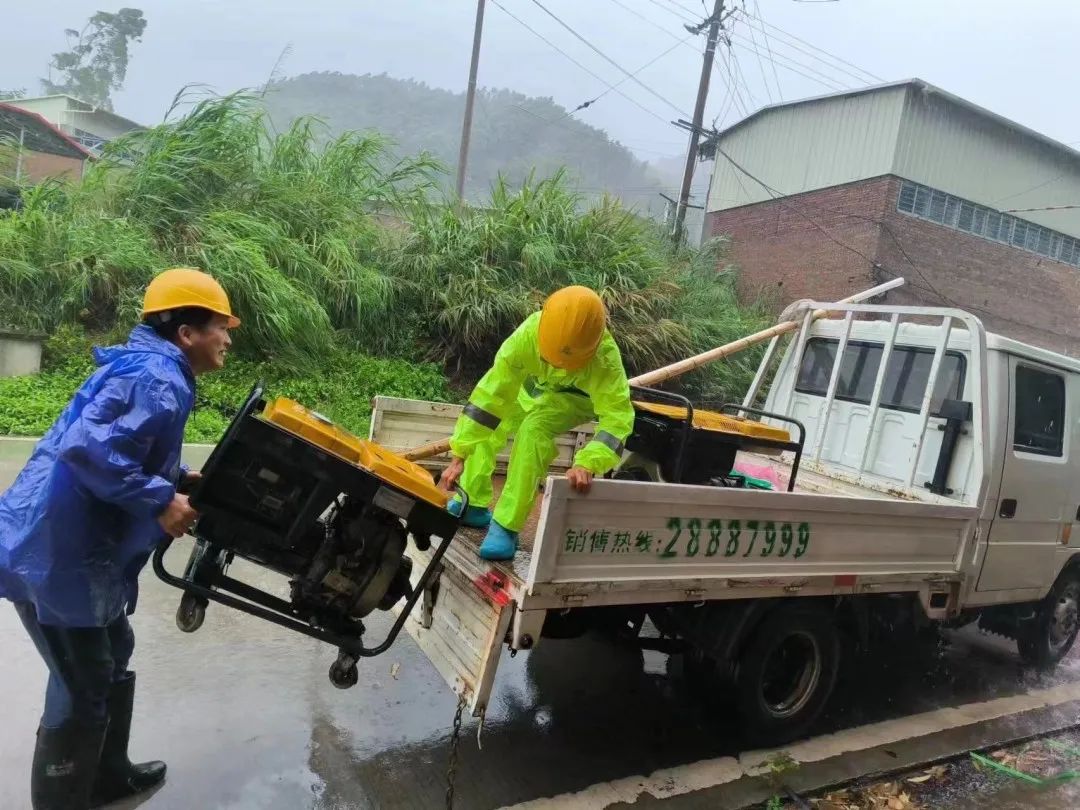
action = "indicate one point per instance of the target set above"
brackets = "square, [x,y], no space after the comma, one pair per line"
[917,84]
[78,105]
[906,129]
[37,134]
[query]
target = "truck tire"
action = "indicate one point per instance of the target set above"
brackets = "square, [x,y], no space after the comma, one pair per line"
[786,673]
[1048,639]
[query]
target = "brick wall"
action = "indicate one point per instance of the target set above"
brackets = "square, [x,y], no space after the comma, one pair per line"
[784,256]
[782,252]
[1014,292]
[38,165]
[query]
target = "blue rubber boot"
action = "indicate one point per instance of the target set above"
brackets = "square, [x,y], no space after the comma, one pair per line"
[476,517]
[499,544]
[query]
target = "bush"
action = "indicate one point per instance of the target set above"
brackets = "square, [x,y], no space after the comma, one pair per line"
[285,223]
[341,387]
[474,275]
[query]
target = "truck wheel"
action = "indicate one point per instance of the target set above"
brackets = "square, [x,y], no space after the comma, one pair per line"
[1050,636]
[786,674]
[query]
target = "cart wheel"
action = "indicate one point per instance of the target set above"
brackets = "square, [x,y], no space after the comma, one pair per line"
[190,614]
[343,676]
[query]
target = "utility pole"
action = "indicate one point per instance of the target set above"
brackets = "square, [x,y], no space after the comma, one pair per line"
[470,96]
[699,110]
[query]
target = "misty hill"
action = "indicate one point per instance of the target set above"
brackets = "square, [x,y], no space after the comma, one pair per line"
[512,133]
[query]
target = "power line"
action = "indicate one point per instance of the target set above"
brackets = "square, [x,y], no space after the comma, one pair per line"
[1046,208]
[778,196]
[607,58]
[821,78]
[652,61]
[1033,188]
[592,73]
[741,75]
[641,16]
[768,47]
[689,11]
[738,101]
[781,31]
[669,10]
[588,103]
[761,64]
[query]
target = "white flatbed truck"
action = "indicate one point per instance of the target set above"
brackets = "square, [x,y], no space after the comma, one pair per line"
[948,503]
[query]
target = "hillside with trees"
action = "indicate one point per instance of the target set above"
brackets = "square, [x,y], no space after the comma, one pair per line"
[512,133]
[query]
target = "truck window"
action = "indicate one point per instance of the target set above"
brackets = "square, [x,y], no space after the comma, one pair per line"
[905,378]
[1040,412]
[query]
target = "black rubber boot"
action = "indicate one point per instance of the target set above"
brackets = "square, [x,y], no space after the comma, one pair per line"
[117,776]
[65,763]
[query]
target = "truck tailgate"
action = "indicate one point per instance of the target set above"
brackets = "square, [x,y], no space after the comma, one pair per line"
[460,624]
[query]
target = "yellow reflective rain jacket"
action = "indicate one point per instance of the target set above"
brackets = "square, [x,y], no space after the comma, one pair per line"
[524,395]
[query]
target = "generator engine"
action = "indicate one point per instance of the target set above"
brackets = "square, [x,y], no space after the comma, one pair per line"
[290,491]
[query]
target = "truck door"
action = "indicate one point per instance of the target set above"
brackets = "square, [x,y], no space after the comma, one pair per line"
[1033,503]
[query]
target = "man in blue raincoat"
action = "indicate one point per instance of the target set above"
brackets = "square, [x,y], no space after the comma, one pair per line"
[100,490]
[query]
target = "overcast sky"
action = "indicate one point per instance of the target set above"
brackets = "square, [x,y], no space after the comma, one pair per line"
[1013,58]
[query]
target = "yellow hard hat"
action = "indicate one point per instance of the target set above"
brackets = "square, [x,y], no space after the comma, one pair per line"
[187,287]
[571,325]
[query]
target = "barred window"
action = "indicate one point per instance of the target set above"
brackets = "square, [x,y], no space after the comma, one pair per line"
[953,212]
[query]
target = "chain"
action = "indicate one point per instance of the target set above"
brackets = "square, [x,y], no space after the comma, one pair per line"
[455,739]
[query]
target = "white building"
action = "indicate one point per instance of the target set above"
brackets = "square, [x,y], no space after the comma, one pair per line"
[89,126]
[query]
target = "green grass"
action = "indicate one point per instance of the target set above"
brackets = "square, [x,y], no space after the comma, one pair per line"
[341,387]
[322,285]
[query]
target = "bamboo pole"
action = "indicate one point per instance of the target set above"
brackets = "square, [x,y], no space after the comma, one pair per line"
[698,360]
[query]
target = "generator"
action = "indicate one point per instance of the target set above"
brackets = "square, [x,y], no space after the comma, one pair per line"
[290,491]
[687,445]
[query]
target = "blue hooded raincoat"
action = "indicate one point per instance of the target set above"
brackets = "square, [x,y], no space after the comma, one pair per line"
[80,521]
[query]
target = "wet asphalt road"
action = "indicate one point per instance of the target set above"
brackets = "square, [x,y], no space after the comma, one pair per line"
[245,716]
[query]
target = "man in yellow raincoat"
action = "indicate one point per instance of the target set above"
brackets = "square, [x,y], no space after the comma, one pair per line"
[559,369]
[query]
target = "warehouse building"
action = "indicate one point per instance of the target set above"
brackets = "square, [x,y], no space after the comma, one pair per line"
[829,195]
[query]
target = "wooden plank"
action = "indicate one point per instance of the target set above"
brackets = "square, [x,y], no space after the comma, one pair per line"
[401,424]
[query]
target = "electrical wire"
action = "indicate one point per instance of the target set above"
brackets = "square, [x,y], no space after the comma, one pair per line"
[651,62]
[780,32]
[779,196]
[821,78]
[592,73]
[669,10]
[761,63]
[738,101]
[588,103]
[684,8]
[1033,188]
[763,29]
[641,16]
[607,58]
[742,77]
[768,47]
[1045,208]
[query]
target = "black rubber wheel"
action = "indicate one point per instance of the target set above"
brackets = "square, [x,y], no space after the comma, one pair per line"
[786,673]
[343,677]
[191,613]
[1051,635]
